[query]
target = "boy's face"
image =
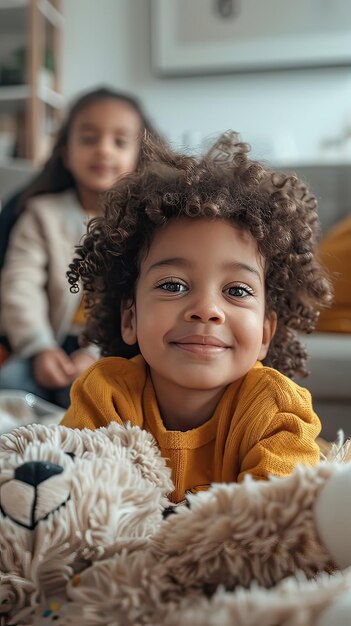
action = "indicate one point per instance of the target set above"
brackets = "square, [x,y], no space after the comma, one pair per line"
[199,312]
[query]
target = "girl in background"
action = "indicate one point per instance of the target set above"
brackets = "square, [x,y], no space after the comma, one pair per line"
[98,143]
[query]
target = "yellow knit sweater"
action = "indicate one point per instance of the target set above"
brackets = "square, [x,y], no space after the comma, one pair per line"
[264,423]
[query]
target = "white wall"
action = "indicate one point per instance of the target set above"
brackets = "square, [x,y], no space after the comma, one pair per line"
[282,113]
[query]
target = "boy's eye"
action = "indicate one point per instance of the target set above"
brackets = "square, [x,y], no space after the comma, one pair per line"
[172,287]
[239,291]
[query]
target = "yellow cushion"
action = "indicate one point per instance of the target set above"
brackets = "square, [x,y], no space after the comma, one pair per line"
[335,254]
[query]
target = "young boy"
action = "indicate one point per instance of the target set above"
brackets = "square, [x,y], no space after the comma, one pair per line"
[205,270]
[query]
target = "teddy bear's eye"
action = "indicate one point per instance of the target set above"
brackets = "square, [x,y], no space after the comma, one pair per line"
[71,454]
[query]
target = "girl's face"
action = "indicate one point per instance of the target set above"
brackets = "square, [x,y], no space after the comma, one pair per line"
[199,314]
[103,144]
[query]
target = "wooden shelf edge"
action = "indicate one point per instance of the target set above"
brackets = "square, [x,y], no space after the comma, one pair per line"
[50,13]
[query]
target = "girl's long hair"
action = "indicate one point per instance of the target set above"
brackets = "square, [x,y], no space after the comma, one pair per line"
[54,177]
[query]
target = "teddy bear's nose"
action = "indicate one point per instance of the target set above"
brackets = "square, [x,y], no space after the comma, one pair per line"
[35,472]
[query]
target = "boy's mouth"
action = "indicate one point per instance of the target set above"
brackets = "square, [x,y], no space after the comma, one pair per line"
[206,345]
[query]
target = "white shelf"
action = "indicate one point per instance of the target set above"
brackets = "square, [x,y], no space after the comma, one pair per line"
[15,92]
[45,6]
[12,4]
[23,92]
[51,97]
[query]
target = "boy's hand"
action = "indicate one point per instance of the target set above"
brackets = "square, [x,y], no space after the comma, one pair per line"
[81,361]
[53,369]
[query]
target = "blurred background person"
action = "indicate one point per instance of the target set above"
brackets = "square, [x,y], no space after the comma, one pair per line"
[97,144]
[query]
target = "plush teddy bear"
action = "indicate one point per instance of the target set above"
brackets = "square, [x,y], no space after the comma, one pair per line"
[84,539]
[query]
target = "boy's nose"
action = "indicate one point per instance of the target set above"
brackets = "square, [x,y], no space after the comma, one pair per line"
[205,311]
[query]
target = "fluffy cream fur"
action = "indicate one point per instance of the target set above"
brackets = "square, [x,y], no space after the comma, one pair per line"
[117,486]
[91,536]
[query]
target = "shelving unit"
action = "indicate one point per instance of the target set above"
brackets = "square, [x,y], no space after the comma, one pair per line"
[30,78]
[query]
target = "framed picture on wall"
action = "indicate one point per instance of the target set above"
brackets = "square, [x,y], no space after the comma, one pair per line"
[214,36]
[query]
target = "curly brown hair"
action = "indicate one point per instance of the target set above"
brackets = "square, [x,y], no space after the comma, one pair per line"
[277,209]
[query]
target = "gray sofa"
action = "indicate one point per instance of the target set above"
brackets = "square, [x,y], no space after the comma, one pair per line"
[330,380]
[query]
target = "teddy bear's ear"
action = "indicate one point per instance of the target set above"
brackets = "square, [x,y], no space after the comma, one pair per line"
[18,439]
[144,453]
[69,440]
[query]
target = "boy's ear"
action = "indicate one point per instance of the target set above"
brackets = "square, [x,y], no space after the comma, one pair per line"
[128,323]
[269,328]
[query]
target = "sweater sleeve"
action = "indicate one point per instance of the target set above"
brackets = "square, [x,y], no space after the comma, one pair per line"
[24,302]
[91,405]
[83,411]
[108,391]
[283,432]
